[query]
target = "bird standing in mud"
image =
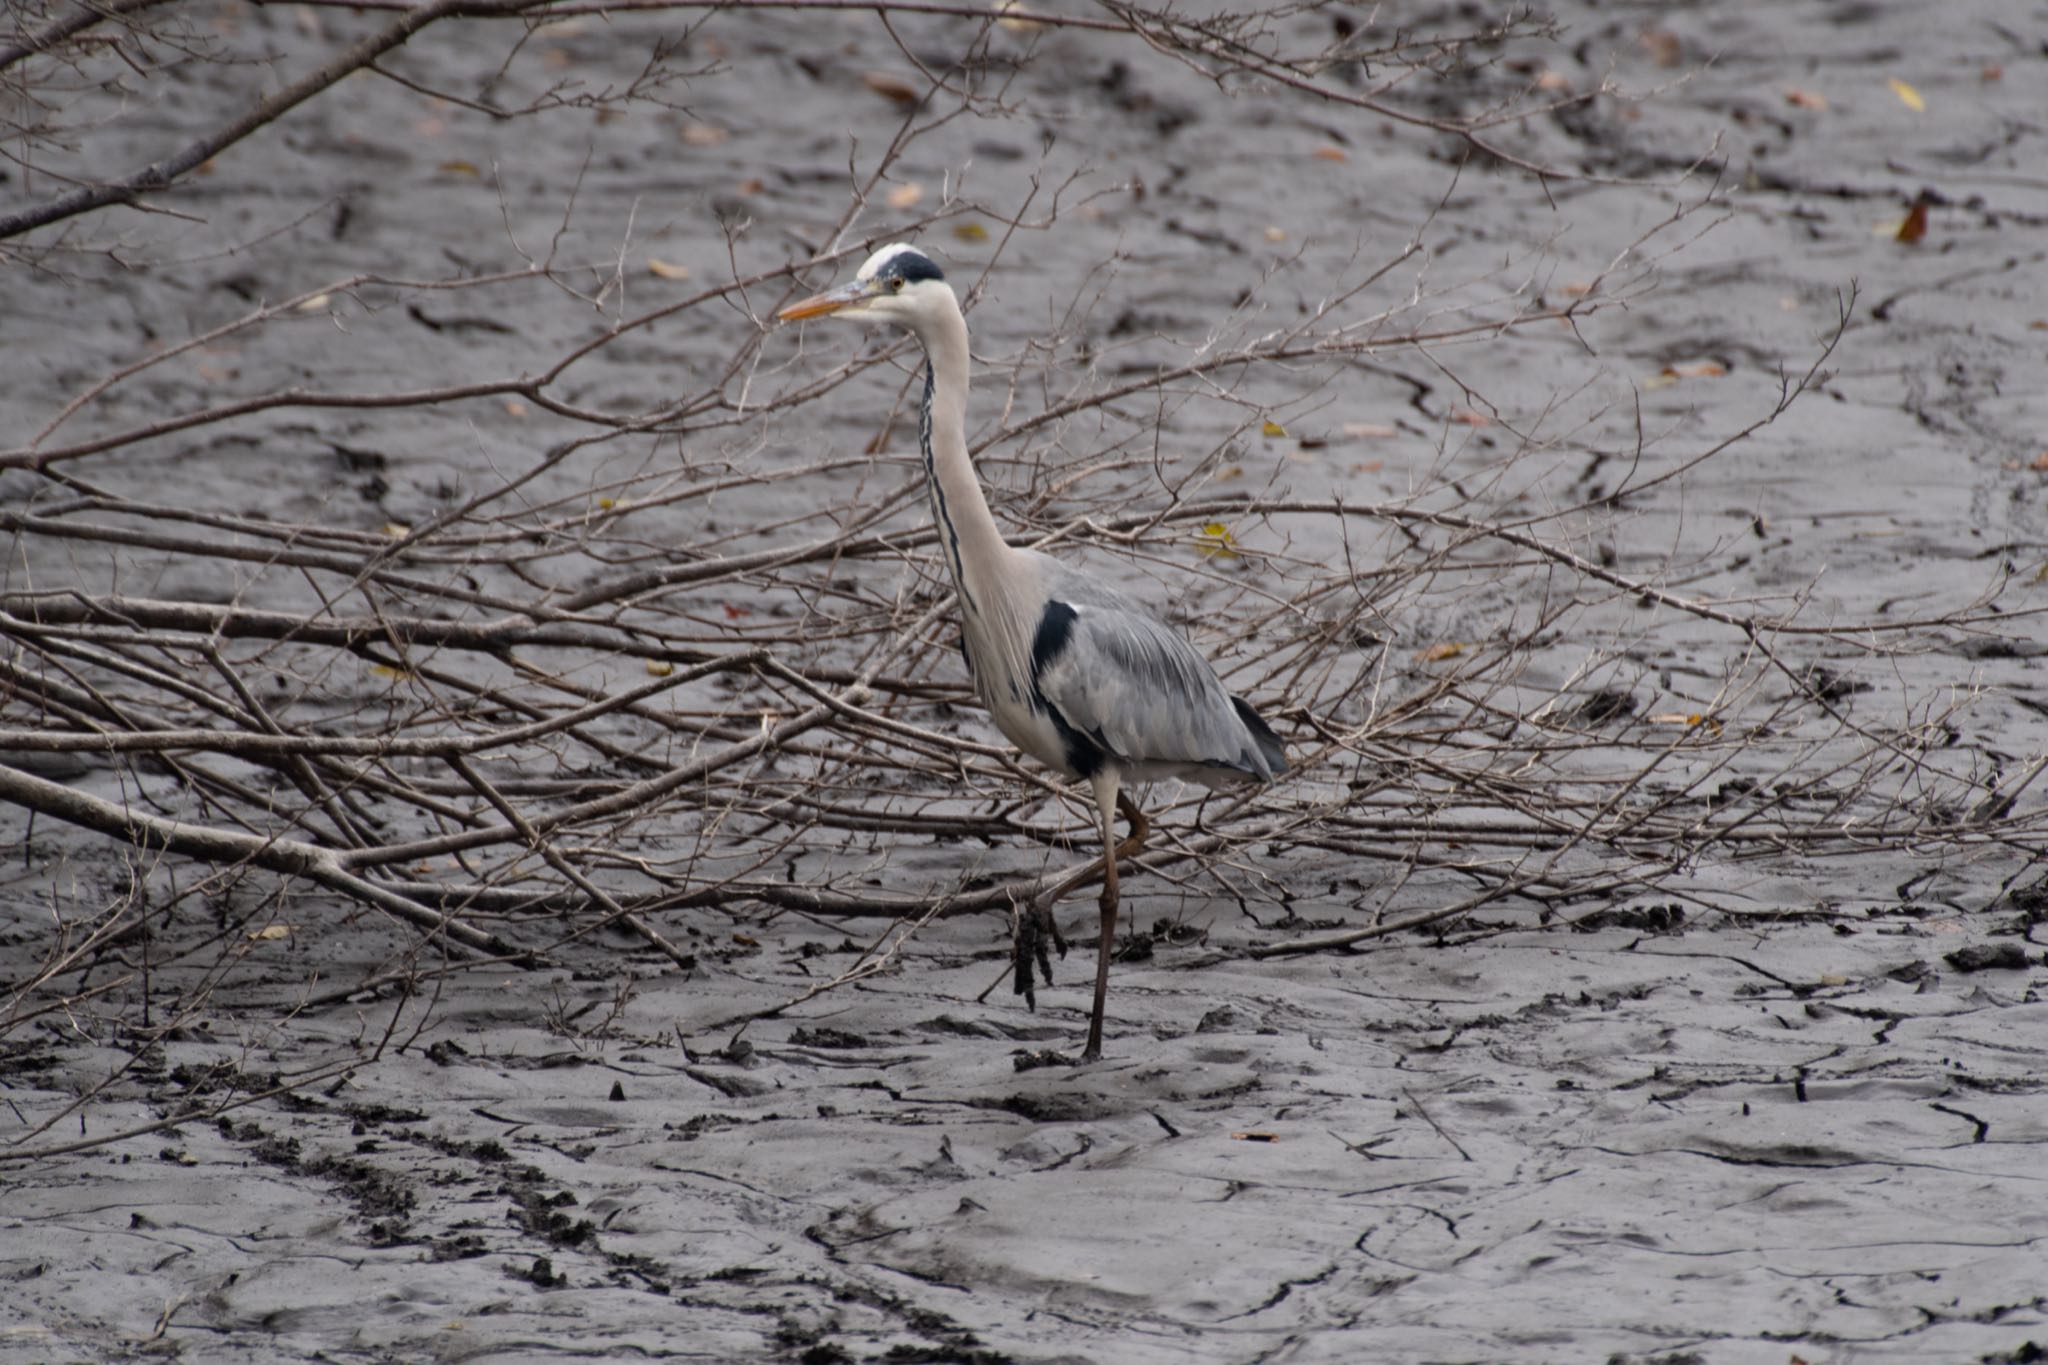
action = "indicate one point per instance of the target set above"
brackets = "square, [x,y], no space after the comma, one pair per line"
[1082,678]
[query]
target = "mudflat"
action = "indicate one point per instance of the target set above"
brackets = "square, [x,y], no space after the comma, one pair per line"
[505,864]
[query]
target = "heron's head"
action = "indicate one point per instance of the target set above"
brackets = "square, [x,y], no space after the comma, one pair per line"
[898,284]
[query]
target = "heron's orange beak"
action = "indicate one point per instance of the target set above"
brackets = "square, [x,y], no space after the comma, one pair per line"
[831,301]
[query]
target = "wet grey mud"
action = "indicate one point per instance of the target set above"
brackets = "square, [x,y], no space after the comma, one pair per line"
[501,859]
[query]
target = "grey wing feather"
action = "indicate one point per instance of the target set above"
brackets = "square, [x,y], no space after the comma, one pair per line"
[1135,686]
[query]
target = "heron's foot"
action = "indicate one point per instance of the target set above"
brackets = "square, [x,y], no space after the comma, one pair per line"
[1038,933]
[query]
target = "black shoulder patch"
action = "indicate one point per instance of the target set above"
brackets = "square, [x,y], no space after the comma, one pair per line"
[913,266]
[1051,640]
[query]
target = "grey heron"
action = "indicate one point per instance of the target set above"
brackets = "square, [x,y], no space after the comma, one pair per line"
[1082,678]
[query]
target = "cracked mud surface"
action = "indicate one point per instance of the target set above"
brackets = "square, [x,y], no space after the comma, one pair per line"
[1805,1124]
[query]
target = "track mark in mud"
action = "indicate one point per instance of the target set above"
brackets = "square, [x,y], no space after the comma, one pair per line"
[1983,1125]
[385,1189]
[1284,1291]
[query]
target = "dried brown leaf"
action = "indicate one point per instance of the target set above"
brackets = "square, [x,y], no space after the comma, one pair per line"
[892,88]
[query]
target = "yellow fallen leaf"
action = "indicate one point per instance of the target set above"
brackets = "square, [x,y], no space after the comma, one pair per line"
[903,196]
[514,408]
[270,933]
[1908,96]
[1015,19]
[1699,369]
[657,668]
[1270,428]
[607,503]
[970,232]
[1553,82]
[666,270]
[467,168]
[397,530]
[1216,541]
[703,135]
[387,671]
[1466,417]
[1330,151]
[1358,431]
[316,303]
[1275,234]
[1437,653]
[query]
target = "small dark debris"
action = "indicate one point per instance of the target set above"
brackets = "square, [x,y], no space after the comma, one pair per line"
[1655,919]
[1033,1059]
[906,1354]
[541,1274]
[445,1052]
[1993,647]
[370,1115]
[2026,1353]
[1988,957]
[1824,684]
[1609,703]
[739,1274]
[2029,901]
[694,1128]
[826,1038]
[618,1094]
[1731,791]
[463,1246]
[455,323]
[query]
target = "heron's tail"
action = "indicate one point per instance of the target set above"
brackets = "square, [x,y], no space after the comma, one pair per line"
[1271,752]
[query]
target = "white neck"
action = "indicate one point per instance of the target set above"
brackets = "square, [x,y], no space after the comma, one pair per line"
[972,546]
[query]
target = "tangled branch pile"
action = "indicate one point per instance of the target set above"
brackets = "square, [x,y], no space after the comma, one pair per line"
[482,591]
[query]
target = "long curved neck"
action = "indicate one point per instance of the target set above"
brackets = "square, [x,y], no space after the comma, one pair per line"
[968,538]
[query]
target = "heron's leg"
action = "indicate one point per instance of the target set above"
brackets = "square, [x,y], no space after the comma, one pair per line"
[1140,827]
[1107,800]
